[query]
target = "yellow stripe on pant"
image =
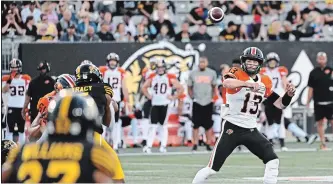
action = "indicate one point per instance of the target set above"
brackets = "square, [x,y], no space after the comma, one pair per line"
[119,173]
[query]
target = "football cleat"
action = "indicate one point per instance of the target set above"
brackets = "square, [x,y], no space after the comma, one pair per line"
[163,149]
[312,139]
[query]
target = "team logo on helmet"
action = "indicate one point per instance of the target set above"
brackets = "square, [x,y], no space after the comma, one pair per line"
[179,62]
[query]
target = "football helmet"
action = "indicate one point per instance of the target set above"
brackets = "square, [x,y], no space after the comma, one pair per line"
[84,62]
[88,73]
[64,81]
[15,66]
[72,115]
[112,57]
[252,53]
[44,65]
[272,56]
[6,146]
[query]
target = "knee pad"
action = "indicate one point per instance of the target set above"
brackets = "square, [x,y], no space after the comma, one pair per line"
[271,171]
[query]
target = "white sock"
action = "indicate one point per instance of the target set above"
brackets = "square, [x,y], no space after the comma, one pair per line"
[120,132]
[282,130]
[9,136]
[164,135]
[297,131]
[145,128]
[202,175]
[151,135]
[116,135]
[21,138]
[188,130]
[134,129]
[271,172]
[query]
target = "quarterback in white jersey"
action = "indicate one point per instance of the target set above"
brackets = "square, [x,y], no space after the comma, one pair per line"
[115,76]
[161,83]
[14,88]
[246,89]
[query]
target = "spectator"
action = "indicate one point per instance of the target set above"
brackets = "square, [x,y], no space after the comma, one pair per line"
[294,15]
[70,35]
[105,34]
[82,28]
[201,34]
[31,10]
[199,15]
[88,6]
[46,30]
[164,34]
[254,28]
[307,29]
[286,33]
[161,8]
[146,8]
[90,36]
[142,34]
[274,31]
[243,33]
[158,24]
[13,7]
[127,6]
[30,28]
[275,7]
[65,22]
[121,35]
[238,7]
[184,35]
[311,7]
[11,25]
[129,25]
[48,9]
[328,13]
[61,8]
[107,18]
[230,33]
[149,27]
[260,9]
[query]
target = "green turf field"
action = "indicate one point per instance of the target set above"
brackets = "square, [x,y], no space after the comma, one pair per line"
[180,166]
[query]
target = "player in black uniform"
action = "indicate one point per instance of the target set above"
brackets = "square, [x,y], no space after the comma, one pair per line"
[67,156]
[6,146]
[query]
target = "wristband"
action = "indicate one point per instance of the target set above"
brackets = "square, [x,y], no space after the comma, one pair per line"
[286,99]
[9,81]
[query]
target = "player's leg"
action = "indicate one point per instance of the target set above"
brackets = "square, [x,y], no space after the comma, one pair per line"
[163,119]
[329,115]
[217,125]
[154,116]
[116,130]
[271,128]
[196,124]
[145,121]
[278,118]
[224,146]
[20,126]
[263,149]
[188,130]
[208,124]
[10,119]
[320,119]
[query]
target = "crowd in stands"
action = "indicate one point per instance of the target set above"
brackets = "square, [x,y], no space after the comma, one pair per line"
[141,21]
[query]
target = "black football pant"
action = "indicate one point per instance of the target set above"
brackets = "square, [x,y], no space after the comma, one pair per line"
[233,136]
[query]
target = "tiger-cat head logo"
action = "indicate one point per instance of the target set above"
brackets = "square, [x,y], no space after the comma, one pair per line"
[179,62]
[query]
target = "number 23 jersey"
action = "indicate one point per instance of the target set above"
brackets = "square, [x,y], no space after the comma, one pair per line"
[243,104]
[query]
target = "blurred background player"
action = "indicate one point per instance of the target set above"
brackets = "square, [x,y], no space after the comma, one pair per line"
[113,75]
[15,87]
[161,83]
[38,124]
[278,75]
[201,88]
[38,87]
[185,118]
[6,146]
[320,88]
[236,63]
[146,72]
[67,156]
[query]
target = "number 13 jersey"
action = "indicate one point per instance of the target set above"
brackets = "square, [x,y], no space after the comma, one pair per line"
[243,104]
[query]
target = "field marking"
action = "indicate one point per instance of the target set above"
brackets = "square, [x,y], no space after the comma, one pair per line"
[145,171]
[225,166]
[297,178]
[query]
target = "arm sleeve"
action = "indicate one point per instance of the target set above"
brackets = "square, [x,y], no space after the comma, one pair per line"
[108,89]
[29,90]
[311,81]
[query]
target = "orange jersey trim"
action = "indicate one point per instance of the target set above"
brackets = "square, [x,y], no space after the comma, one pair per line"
[268,85]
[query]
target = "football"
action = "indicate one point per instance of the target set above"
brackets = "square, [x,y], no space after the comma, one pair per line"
[216,14]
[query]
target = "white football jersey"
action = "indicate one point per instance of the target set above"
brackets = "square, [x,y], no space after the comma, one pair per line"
[114,78]
[187,105]
[276,75]
[243,104]
[161,88]
[217,105]
[17,90]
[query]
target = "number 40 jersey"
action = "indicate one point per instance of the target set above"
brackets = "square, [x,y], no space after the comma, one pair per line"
[242,103]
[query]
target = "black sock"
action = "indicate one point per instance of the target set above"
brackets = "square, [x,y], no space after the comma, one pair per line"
[281,142]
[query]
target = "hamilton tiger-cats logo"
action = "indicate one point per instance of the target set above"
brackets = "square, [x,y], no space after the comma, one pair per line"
[179,62]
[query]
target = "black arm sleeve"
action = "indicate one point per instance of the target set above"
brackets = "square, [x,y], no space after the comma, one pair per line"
[286,99]
[271,99]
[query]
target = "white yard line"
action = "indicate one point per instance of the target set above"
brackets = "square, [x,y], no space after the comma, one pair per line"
[298,178]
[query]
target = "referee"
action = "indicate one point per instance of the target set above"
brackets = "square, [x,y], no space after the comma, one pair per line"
[38,87]
[321,89]
[201,86]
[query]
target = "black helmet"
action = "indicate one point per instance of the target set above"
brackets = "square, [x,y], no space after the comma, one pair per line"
[44,65]
[6,146]
[72,115]
[112,56]
[64,81]
[252,53]
[272,56]
[15,63]
[88,73]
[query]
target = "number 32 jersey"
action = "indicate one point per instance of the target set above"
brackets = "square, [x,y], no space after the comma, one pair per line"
[243,104]
[17,90]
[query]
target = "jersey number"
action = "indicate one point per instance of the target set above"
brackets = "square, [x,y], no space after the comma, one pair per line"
[19,90]
[32,171]
[160,88]
[276,81]
[256,100]
[115,82]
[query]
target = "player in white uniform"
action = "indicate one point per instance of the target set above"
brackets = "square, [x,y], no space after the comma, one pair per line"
[246,89]
[14,87]
[185,118]
[161,83]
[115,77]
[216,117]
